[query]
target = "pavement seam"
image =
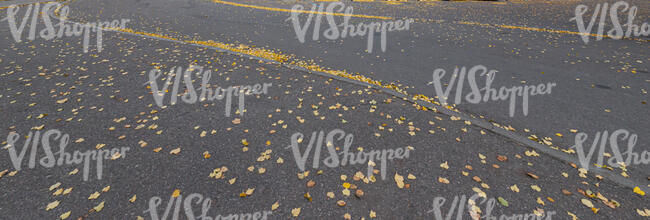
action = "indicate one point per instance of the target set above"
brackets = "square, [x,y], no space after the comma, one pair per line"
[475,121]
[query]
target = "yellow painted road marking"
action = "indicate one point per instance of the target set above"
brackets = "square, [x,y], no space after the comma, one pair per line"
[299,11]
[542,30]
[20,5]
[387,18]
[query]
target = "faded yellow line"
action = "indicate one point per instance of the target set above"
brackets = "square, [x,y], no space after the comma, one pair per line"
[20,5]
[275,56]
[299,11]
[543,30]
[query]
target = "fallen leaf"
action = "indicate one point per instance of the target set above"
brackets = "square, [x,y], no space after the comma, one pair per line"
[176,193]
[94,196]
[295,212]
[503,201]
[587,203]
[99,207]
[399,180]
[536,188]
[133,198]
[444,165]
[65,215]
[52,205]
[531,175]
[638,190]
[275,206]
[514,188]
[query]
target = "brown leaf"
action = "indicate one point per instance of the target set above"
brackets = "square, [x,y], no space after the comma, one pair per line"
[531,175]
[359,193]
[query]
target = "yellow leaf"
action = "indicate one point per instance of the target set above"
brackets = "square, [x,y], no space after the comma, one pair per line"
[95,195]
[176,193]
[479,192]
[346,192]
[52,205]
[275,206]
[308,197]
[175,151]
[573,216]
[132,200]
[295,212]
[411,177]
[536,188]
[56,185]
[65,215]
[399,180]
[514,188]
[106,189]
[531,153]
[638,190]
[444,165]
[99,207]
[58,192]
[250,191]
[587,203]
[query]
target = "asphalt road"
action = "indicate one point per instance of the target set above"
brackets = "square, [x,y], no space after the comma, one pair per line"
[521,164]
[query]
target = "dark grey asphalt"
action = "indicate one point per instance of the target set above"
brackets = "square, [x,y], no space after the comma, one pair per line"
[105,86]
